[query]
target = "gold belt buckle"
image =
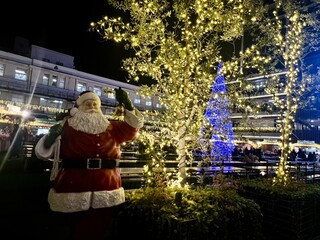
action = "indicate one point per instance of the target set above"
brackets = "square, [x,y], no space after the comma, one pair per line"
[93,161]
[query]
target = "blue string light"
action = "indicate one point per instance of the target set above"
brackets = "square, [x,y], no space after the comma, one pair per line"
[220,126]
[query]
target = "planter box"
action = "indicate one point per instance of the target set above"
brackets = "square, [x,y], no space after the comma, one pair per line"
[286,217]
[138,226]
[202,214]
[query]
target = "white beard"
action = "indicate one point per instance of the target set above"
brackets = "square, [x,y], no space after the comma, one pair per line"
[92,122]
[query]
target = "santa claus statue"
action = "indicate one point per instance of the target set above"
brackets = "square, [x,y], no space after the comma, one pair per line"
[86,148]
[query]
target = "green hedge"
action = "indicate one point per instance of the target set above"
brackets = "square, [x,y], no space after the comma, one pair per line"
[198,213]
[289,212]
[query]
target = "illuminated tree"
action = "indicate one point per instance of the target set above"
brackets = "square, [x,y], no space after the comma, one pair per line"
[177,45]
[216,137]
[290,36]
[283,42]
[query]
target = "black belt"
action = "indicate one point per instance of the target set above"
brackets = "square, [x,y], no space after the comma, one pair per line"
[90,163]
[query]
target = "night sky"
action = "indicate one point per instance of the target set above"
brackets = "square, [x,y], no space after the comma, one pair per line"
[63,26]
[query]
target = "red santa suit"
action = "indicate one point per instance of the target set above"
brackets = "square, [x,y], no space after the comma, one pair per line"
[83,191]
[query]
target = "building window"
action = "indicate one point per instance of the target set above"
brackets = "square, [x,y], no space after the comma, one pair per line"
[51,103]
[62,82]
[1,69]
[97,90]
[236,124]
[43,102]
[56,103]
[81,87]
[45,79]
[54,81]
[21,74]
[111,95]
[17,98]
[137,100]
[148,102]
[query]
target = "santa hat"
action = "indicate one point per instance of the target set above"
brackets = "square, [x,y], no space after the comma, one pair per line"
[84,96]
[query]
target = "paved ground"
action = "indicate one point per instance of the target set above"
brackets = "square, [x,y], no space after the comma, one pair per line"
[24,211]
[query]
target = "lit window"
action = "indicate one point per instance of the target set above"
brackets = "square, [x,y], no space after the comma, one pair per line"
[97,90]
[55,103]
[137,100]
[62,82]
[21,74]
[81,87]
[54,82]
[111,95]
[148,102]
[43,102]
[109,92]
[51,103]
[45,79]
[1,69]
[17,98]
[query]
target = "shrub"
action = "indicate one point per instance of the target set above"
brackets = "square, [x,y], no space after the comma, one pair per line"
[197,213]
[289,211]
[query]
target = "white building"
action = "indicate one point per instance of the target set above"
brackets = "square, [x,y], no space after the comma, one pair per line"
[46,83]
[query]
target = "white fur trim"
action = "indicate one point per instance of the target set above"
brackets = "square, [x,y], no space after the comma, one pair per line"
[56,159]
[134,118]
[87,96]
[82,201]
[102,199]
[42,152]
[69,202]
[73,111]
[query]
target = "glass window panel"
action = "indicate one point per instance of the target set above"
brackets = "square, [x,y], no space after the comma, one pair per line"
[45,79]
[111,95]
[148,102]
[54,81]
[62,82]
[21,74]
[137,100]
[17,98]
[43,102]
[1,69]
[97,90]
[81,87]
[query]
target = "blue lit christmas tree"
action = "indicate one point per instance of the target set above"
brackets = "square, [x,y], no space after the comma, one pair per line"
[217,126]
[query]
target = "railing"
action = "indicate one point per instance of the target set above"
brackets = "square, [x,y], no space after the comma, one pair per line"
[132,168]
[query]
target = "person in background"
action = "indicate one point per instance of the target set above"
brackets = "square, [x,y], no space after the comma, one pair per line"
[248,149]
[257,152]
[302,155]
[312,157]
[297,154]
[235,152]
[294,154]
[87,185]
